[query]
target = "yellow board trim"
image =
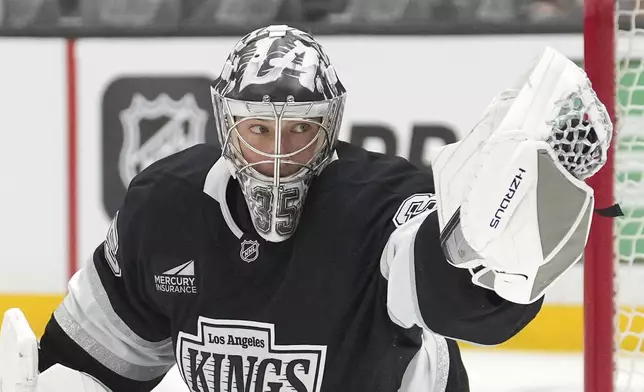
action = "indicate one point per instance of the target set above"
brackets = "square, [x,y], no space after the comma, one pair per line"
[559,328]
[556,328]
[37,308]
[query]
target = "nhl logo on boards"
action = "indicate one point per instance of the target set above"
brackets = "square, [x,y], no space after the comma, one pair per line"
[179,125]
[145,118]
[249,250]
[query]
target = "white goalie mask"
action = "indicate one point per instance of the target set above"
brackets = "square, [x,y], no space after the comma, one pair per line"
[278,106]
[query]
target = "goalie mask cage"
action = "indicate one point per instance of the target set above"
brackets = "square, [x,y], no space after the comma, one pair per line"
[614,259]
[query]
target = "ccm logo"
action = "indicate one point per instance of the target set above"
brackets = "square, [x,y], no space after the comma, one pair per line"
[505,202]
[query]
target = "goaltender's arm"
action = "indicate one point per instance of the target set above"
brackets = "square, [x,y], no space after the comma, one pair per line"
[423,288]
[106,326]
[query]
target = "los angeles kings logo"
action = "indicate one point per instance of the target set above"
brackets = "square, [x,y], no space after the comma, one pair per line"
[241,356]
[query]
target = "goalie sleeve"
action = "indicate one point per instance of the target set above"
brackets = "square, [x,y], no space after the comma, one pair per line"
[107,326]
[467,311]
[423,289]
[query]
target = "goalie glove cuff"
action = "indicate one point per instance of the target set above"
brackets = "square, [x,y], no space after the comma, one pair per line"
[526,217]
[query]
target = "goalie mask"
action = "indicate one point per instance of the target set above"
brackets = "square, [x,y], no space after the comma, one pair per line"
[278,106]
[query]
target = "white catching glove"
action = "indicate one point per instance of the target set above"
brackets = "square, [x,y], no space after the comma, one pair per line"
[19,363]
[511,196]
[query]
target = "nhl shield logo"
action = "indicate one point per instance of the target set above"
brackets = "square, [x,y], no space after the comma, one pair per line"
[170,126]
[236,355]
[249,250]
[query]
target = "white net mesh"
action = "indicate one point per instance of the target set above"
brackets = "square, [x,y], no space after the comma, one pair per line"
[629,192]
[575,140]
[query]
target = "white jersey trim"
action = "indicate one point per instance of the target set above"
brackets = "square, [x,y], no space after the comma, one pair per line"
[397,266]
[215,187]
[88,318]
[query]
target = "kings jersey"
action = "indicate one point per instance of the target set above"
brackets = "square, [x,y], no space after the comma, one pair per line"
[359,299]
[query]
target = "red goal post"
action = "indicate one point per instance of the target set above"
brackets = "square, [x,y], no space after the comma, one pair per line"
[613,287]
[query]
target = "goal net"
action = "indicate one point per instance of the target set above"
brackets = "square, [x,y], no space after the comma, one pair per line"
[614,261]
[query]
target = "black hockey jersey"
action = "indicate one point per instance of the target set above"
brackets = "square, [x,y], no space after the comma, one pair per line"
[345,304]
